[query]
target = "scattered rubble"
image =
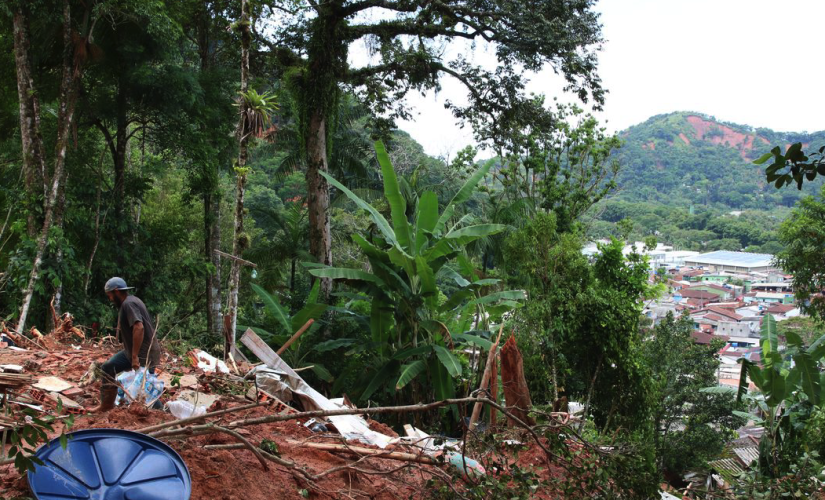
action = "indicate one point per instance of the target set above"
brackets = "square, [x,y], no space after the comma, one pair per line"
[233,422]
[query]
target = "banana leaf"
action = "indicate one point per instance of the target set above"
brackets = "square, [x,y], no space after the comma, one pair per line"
[345,273]
[426,218]
[808,376]
[461,196]
[398,205]
[449,361]
[387,372]
[409,372]
[769,340]
[376,216]
[274,307]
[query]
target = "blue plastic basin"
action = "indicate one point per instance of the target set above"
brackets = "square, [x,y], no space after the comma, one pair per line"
[110,464]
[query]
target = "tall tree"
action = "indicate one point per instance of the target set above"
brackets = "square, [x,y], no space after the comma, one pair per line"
[34,157]
[139,89]
[71,73]
[254,117]
[405,40]
[204,24]
[239,238]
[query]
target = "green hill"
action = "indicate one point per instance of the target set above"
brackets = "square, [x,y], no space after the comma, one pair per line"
[687,158]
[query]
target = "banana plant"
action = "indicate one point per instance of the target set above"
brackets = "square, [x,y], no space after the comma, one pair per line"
[789,384]
[408,257]
[282,325]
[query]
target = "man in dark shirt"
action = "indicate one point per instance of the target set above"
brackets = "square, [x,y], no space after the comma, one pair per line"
[137,333]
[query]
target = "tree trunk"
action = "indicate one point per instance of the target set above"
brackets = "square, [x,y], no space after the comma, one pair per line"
[33,158]
[326,55]
[59,212]
[211,200]
[212,242]
[590,392]
[98,223]
[514,383]
[119,160]
[240,239]
[68,98]
[320,236]
[214,306]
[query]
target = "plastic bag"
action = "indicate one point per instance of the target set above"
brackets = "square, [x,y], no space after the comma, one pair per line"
[131,382]
[185,409]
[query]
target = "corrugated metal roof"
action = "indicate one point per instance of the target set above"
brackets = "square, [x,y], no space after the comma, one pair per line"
[738,259]
[747,454]
[727,467]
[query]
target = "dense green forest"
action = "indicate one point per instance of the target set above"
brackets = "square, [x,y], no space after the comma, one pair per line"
[690,180]
[683,159]
[230,162]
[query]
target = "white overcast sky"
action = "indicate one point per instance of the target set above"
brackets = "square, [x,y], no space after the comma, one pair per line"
[755,62]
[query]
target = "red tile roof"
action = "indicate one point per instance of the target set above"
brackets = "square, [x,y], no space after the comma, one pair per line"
[725,312]
[780,308]
[715,317]
[698,294]
[705,338]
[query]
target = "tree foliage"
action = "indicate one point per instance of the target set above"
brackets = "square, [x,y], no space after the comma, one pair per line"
[803,235]
[691,427]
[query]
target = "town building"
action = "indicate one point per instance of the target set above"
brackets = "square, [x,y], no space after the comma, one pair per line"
[781,312]
[736,262]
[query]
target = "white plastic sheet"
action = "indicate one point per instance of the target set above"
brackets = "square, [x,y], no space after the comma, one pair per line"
[185,409]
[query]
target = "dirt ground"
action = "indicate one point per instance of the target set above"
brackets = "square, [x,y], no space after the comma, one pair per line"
[225,474]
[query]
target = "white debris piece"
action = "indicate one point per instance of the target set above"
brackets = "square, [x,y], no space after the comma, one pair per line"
[209,363]
[283,379]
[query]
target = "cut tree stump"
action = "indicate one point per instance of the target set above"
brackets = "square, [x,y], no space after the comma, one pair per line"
[516,393]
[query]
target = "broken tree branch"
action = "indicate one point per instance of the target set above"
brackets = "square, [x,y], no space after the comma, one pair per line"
[295,336]
[485,379]
[189,420]
[238,446]
[202,429]
[246,443]
[236,259]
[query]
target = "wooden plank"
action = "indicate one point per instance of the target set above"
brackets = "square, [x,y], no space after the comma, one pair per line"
[239,356]
[346,424]
[259,348]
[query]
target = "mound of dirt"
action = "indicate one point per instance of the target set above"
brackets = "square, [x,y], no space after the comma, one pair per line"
[231,474]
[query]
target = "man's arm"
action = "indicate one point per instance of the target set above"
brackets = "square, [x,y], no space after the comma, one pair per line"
[137,341]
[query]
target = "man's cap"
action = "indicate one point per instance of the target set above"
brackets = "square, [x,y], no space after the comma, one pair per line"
[116,284]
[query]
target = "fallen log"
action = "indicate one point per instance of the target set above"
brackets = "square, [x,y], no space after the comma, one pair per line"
[361,451]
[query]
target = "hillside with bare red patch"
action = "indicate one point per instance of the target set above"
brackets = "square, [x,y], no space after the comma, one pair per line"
[723,135]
